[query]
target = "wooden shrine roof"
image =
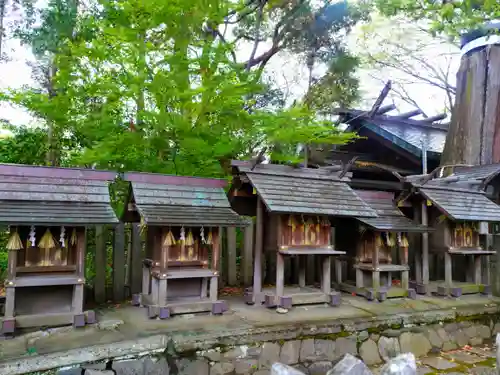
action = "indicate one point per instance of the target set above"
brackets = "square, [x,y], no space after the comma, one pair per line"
[54,196]
[401,130]
[175,200]
[390,218]
[286,189]
[461,204]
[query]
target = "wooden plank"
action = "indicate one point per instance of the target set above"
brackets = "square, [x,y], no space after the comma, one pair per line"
[136,260]
[232,278]
[247,258]
[259,239]
[100,264]
[119,263]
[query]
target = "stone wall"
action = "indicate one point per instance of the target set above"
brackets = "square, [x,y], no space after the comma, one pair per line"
[313,355]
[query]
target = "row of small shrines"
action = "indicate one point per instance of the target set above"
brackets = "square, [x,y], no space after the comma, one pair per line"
[298,212]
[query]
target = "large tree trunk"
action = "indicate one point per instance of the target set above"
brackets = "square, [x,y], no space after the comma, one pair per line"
[474,134]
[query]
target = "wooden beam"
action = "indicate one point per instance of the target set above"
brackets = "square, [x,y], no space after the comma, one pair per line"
[119,263]
[259,159]
[231,256]
[430,120]
[100,264]
[385,108]
[348,167]
[383,94]
[409,114]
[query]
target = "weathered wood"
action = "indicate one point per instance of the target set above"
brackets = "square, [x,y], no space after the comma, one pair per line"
[100,265]
[302,270]
[259,239]
[247,258]
[474,132]
[232,268]
[280,274]
[119,263]
[135,260]
[425,245]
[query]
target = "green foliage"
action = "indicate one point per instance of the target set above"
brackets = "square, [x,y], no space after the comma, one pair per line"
[450,17]
[25,146]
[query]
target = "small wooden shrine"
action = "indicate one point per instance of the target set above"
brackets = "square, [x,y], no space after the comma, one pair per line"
[381,245]
[47,211]
[460,214]
[295,210]
[182,217]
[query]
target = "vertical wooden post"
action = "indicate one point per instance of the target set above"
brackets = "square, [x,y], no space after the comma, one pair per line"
[425,249]
[81,246]
[280,276]
[135,260]
[119,263]
[448,277]
[376,272]
[257,262]
[162,282]
[10,291]
[416,250]
[326,282]
[486,262]
[214,281]
[100,264]
[477,269]
[231,257]
[302,270]
[247,258]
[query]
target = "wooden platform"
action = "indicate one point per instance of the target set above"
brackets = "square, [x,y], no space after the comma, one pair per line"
[456,289]
[293,296]
[370,294]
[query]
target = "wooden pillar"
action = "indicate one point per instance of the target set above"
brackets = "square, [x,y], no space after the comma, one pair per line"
[326,282]
[280,275]
[425,249]
[302,270]
[375,272]
[100,264]
[81,246]
[486,261]
[135,260]
[119,263]
[163,269]
[231,257]
[404,261]
[257,262]
[247,258]
[418,250]
[214,280]
[477,269]
[448,277]
[10,290]
[359,254]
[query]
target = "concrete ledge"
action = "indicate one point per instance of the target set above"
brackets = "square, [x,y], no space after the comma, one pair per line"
[186,340]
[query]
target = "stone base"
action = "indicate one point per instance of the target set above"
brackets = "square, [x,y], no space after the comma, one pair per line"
[335,299]
[136,299]
[285,302]
[90,317]
[8,326]
[219,307]
[79,320]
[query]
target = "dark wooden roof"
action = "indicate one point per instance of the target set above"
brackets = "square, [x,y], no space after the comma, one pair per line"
[54,196]
[477,172]
[390,218]
[176,200]
[286,189]
[462,204]
[406,133]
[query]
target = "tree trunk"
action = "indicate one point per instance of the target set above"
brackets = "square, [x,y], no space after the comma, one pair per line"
[3,7]
[474,133]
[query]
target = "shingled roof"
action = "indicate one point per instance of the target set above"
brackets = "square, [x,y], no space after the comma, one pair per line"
[174,200]
[462,204]
[54,196]
[390,218]
[285,189]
